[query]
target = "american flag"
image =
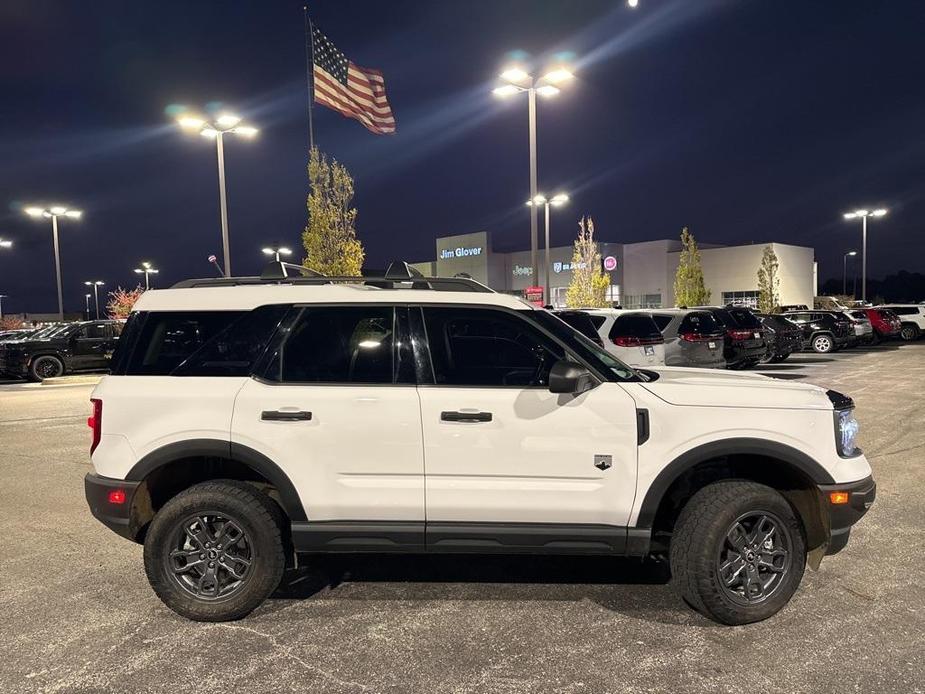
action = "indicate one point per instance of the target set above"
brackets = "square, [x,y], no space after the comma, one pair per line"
[354,91]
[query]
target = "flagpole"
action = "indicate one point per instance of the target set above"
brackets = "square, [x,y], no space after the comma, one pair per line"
[309,73]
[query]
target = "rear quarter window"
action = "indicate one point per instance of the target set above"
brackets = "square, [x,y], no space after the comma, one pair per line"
[701,323]
[634,325]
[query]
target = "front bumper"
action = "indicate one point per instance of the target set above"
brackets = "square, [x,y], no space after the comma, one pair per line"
[842,517]
[115,516]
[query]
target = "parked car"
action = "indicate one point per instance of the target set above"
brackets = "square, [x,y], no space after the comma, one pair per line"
[692,338]
[860,323]
[911,317]
[631,336]
[83,346]
[244,424]
[784,337]
[823,331]
[744,343]
[886,323]
[582,322]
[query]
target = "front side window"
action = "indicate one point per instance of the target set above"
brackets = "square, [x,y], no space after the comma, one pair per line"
[484,347]
[338,344]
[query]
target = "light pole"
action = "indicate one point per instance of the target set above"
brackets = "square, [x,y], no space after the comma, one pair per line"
[276,251]
[556,201]
[844,276]
[87,302]
[2,297]
[518,80]
[53,213]
[96,297]
[146,269]
[864,214]
[225,123]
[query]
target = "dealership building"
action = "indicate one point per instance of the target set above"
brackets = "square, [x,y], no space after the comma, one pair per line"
[641,274]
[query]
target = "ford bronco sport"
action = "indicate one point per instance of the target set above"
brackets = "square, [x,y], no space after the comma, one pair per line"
[250,420]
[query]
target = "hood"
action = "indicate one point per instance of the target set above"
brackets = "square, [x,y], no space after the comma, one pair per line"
[718,388]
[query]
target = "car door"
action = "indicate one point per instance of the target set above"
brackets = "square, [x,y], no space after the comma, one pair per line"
[506,460]
[337,410]
[89,347]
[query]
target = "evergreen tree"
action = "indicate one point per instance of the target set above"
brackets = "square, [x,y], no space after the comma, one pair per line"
[589,284]
[689,289]
[768,281]
[330,242]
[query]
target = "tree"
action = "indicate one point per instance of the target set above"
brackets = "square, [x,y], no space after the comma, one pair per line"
[11,323]
[330,242]
[768,281]
[689,289]
[121,301]
[589,284]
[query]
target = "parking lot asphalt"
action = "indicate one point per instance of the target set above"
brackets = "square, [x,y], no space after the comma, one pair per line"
[77,615]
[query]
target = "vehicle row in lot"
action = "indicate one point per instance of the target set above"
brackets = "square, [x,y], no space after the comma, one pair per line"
[737,337]
[59,349]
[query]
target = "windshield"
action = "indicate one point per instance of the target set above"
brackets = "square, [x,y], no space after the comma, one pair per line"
[600,359]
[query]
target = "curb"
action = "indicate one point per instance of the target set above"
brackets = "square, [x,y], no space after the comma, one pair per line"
[73,380]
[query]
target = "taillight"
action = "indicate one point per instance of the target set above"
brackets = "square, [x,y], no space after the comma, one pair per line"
[95,422]
[117,496]
[741,334]
[699,337]
[621,341]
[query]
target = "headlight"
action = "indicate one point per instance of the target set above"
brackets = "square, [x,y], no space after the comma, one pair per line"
[846,426]
[846,433]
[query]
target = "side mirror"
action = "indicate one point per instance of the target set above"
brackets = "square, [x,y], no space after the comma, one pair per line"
[569,377]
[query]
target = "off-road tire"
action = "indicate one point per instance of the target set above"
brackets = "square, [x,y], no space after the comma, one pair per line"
[261,522]
[823,343]
[45,366]
[698,539]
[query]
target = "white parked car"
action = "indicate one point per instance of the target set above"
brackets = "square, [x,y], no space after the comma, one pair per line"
[247,420]
[912,317]
[631,336]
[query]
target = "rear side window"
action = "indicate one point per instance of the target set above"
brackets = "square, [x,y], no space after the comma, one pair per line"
[661,321]
[638,325]
[597,321]
[905,310]
[744,318]
[700,323]
[338,344]
[581,322]
[887,314]
[166,339]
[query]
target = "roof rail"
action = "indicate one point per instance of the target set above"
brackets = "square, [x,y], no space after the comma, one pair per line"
[399,275]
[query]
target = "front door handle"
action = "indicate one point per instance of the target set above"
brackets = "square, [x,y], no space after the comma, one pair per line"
[465,416]
[285,416]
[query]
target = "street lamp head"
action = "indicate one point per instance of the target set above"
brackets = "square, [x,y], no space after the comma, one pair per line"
[861,213]
[633,3]
[514,74]
[34,211]
[210,133]
[879,213]
[5,244]
[87,296]
[228,120]
[547,90]
[851,253]
[559,199]
[191,122]
[539,199]
[73,214]
[557,76]
[58,210]
[245,130]
[506,90]
[284,251]
[138,270]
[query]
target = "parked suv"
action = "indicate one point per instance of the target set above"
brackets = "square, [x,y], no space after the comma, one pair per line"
[912,319]
[84,346]
[860,323]
[744,343]
[246,420]
[823,331]
[692,338]
[631,336]
[784,337]
[581,322]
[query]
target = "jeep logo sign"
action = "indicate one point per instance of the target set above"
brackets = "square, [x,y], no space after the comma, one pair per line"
[521,270]
[448,253]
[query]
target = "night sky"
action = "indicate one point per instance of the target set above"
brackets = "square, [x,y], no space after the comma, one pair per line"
[748,121]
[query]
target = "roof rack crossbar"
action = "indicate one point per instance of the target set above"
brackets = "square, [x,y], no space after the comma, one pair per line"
[458,284]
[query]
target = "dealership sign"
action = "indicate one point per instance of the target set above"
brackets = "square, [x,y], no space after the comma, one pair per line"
[521,270]
[448,253]
[568,267]
[610,263]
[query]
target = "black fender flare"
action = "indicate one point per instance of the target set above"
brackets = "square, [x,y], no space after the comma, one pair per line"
[225,450]
[718,449]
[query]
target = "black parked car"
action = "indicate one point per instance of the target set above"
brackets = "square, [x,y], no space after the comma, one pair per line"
[85,346]
[744,343]
[823,331]
[581,322]
[784,337]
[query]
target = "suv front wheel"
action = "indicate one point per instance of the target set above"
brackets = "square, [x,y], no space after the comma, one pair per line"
[215,552]
[823,344]
[45,366]
[737,552]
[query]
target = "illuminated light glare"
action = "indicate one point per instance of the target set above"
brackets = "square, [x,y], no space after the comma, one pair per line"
[852,253]
[369,344]
[58,210]
[191,122]
[839,498]
[633,3]
[245,130]
[228,120]
[34,211]
[514,74]
[539,199]
[560,199]
[547,90]
[6,244]
[558,75]
[878,213]
[506,90]
[73,214]
[861,213]
[209,132]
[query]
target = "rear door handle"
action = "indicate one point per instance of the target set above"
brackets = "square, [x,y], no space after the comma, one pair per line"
[465,416]
[285,416]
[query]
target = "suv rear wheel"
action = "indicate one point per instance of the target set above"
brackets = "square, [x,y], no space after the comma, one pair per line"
[823,344]
[45,366]
[215,552]
[737,553]
[909,332]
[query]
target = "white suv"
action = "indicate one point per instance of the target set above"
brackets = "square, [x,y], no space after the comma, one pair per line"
[912,317]
[250,419]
